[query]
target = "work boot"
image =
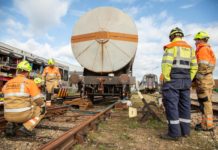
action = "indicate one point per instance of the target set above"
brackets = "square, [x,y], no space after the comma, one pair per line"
[48,96]
[22,131]
[167,137]
[10,129]
[198,127]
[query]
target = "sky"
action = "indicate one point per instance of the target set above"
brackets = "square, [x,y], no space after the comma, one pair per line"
[44,27]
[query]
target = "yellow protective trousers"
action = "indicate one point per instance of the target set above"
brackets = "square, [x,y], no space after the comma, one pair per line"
[50,85]
[29,118]
[204,91]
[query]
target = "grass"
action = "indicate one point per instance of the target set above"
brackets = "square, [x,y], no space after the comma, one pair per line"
[133,124]
[102,147]
[155,124]
[78,147]
[121,132]
[102,125]
[124,136]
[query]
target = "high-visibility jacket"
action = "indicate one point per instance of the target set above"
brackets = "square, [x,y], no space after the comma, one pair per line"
[51,74]
[205,58]
[179,60]
[19,95]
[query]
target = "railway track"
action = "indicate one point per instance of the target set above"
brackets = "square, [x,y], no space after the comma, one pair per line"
[62,128]
[194,103]
[77,135]
[55,110]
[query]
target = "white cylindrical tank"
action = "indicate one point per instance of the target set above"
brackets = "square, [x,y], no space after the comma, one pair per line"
[104,40]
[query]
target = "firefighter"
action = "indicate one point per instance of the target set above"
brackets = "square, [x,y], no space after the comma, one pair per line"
[179,66]
[52,78]
[204,79]
[38,81]
[23,103]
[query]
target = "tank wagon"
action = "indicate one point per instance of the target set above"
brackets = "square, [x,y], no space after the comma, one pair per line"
[149,83]
[104,42]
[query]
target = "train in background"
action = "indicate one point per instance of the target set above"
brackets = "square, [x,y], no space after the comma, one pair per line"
[104,42]
[149,84]
[11,56]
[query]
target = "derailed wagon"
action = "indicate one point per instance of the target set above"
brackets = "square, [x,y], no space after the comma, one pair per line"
[104,42]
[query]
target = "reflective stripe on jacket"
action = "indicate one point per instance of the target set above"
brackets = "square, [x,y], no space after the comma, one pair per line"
[179,60]
[19,93]
[50,73]
[206,59]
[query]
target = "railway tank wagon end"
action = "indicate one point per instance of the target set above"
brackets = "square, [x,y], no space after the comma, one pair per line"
[104,42]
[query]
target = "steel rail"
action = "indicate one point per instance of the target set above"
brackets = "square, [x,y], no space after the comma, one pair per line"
[50,112]
[75,135]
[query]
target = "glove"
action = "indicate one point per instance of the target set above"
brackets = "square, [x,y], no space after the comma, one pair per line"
[43,110]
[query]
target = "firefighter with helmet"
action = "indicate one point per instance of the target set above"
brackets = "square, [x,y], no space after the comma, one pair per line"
[204,80]
[38,81]
[179,66]
[23,103]
[52,78]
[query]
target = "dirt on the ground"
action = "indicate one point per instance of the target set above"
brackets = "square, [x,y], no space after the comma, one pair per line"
[123,133]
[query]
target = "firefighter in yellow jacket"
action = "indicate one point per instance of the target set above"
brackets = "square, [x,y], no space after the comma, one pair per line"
[204,80]
[52,78]
[23,103]
[179,66]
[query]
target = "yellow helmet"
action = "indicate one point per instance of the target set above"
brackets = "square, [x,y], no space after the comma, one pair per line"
[38,80]
[201,35]
[24,65]
[51,61]
[176,31]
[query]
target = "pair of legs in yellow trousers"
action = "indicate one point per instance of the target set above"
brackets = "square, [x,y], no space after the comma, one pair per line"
[204,92]
[29,119]
[50,85]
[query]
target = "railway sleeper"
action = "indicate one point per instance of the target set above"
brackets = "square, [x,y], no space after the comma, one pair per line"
[53,127]
[40,139]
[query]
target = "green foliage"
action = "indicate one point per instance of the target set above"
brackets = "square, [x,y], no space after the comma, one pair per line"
[155,124]
[133,123]
[124,136]
[78,147]
[102,147]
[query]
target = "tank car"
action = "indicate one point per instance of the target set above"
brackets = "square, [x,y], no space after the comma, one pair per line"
[104,42]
